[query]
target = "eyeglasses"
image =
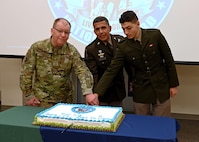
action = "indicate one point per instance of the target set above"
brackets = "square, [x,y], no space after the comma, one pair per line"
[60,32]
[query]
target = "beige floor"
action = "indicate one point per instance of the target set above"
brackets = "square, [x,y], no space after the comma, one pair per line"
[189,131]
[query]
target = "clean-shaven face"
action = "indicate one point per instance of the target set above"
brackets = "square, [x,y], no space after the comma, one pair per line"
[60,33]
[131,29]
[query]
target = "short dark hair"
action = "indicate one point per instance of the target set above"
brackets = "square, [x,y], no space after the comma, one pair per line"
[99,19]
[128,16]
[58,19]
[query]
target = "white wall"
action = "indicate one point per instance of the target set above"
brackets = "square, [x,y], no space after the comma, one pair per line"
[186,102]
[34,18]
[9,82]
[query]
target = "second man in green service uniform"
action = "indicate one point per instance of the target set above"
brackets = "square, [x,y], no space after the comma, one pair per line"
[98,56]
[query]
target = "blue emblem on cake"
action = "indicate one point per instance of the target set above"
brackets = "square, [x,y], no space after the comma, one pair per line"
[81,13]
[83,109]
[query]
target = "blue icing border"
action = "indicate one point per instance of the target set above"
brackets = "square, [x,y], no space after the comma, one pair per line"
[79,109]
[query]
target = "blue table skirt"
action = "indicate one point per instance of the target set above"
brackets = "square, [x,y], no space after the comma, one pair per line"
[134,128]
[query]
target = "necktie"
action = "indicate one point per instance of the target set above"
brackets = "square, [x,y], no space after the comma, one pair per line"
[109,45]
[110,48]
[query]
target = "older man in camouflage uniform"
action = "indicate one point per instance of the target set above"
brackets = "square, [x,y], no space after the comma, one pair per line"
[45,74]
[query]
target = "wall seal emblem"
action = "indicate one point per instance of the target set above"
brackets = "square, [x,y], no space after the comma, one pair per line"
[81,13]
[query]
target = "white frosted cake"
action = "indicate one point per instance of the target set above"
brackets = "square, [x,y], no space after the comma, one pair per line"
[80,116]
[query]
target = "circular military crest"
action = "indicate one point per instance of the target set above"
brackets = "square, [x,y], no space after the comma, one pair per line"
[81,13]
[83,109]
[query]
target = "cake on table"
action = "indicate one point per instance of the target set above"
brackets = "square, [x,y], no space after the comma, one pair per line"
[81,116]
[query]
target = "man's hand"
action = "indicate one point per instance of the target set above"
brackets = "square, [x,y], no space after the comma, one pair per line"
[33,102]
[92,99]
[173,91]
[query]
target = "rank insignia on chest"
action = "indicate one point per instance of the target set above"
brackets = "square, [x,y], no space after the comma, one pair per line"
[101,55]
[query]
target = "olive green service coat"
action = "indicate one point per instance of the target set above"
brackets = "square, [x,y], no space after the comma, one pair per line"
[46,72]
[153,65]
[98,56]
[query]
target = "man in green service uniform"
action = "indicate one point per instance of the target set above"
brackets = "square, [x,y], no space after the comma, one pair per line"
[98,55]
[155,79]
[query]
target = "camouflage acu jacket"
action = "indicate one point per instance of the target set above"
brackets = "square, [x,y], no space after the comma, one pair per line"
[46,72]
